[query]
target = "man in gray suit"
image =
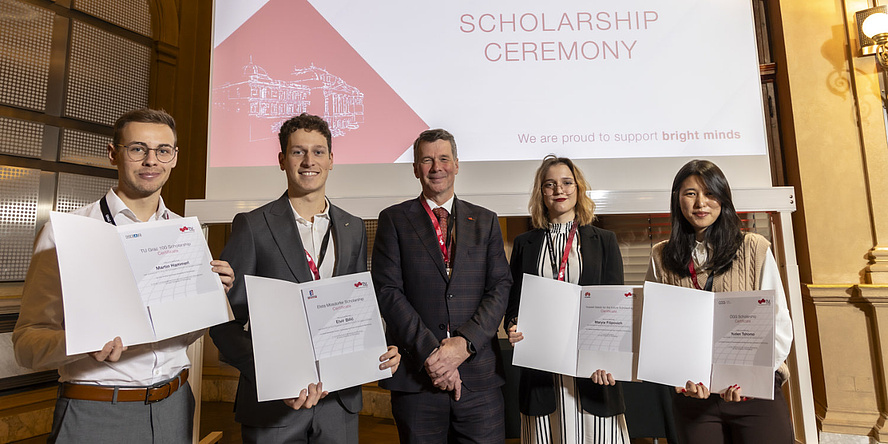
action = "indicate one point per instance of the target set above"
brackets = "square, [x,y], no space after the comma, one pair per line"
[298,237]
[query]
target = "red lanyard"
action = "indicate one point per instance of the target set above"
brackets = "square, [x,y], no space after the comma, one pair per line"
[694,277]
[312,266]
[442,243]
[566,254]
[311,263]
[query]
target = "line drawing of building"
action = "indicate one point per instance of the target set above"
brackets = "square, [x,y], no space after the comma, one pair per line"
[269,102]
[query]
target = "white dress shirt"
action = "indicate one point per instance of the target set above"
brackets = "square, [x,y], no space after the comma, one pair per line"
[39,335]
[312,235]
[446,205]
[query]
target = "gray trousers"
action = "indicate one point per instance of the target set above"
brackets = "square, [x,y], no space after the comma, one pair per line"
[97,422]
[326,423]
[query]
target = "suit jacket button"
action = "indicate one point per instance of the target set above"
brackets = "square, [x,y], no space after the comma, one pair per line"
[449,296]
[441,326]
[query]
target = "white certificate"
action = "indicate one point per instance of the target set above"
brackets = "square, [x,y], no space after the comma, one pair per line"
[743,343]
[720,339]
[143,282]
[549,319]
[327,331]
[607,330]
[574,330]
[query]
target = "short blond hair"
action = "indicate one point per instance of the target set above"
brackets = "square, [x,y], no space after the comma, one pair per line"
[539,214]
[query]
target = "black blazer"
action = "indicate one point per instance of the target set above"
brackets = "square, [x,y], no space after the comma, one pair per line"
[265,242]
[417,299]
[602,265]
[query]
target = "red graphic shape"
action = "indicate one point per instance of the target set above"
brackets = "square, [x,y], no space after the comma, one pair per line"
[761,301]
[627,294]
[283,37]
[183,229]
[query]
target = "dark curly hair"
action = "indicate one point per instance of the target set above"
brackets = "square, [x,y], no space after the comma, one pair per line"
[307,122]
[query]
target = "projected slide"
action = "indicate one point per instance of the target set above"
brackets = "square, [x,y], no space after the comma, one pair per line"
[512,79]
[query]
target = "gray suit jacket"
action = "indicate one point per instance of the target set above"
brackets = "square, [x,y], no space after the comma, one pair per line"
[265,242]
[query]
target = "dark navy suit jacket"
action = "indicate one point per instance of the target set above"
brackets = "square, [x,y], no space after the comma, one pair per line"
[418,301]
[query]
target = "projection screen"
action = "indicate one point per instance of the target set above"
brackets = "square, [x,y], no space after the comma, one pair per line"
[632,89]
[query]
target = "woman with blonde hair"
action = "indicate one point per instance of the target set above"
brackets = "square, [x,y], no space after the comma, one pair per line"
[564,245]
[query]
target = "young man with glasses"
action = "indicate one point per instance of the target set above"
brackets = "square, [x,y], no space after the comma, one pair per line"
[118,394]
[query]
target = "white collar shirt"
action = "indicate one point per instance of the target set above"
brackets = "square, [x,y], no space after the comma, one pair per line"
[39,335]
[312,235]
[446,205]
[700,254]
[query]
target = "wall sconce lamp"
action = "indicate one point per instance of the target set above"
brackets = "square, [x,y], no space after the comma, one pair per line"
[872,33]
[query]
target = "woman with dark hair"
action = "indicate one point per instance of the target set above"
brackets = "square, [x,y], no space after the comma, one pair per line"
[708,251]
[564,245]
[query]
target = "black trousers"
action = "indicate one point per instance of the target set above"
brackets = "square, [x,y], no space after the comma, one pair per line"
[714,421]
[435,418]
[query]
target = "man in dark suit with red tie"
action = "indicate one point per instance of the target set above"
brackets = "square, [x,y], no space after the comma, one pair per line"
[442,282]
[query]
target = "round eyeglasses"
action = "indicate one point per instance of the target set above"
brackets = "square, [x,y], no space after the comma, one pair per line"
[567,187]
[137,152]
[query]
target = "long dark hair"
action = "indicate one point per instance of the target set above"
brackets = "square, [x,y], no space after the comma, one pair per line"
[723,236]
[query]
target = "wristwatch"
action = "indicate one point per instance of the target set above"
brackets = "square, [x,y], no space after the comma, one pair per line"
[470,348]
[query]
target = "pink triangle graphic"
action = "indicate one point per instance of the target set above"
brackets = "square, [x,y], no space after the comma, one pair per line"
[286,59]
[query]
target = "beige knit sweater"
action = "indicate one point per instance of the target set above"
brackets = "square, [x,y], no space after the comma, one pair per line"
[744,275]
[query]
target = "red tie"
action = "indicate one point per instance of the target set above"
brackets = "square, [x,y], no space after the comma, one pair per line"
[441,213]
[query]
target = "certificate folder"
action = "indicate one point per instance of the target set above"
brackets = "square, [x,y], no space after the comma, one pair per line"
[143,282]
[574,330]
[327,330]
[720,339]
